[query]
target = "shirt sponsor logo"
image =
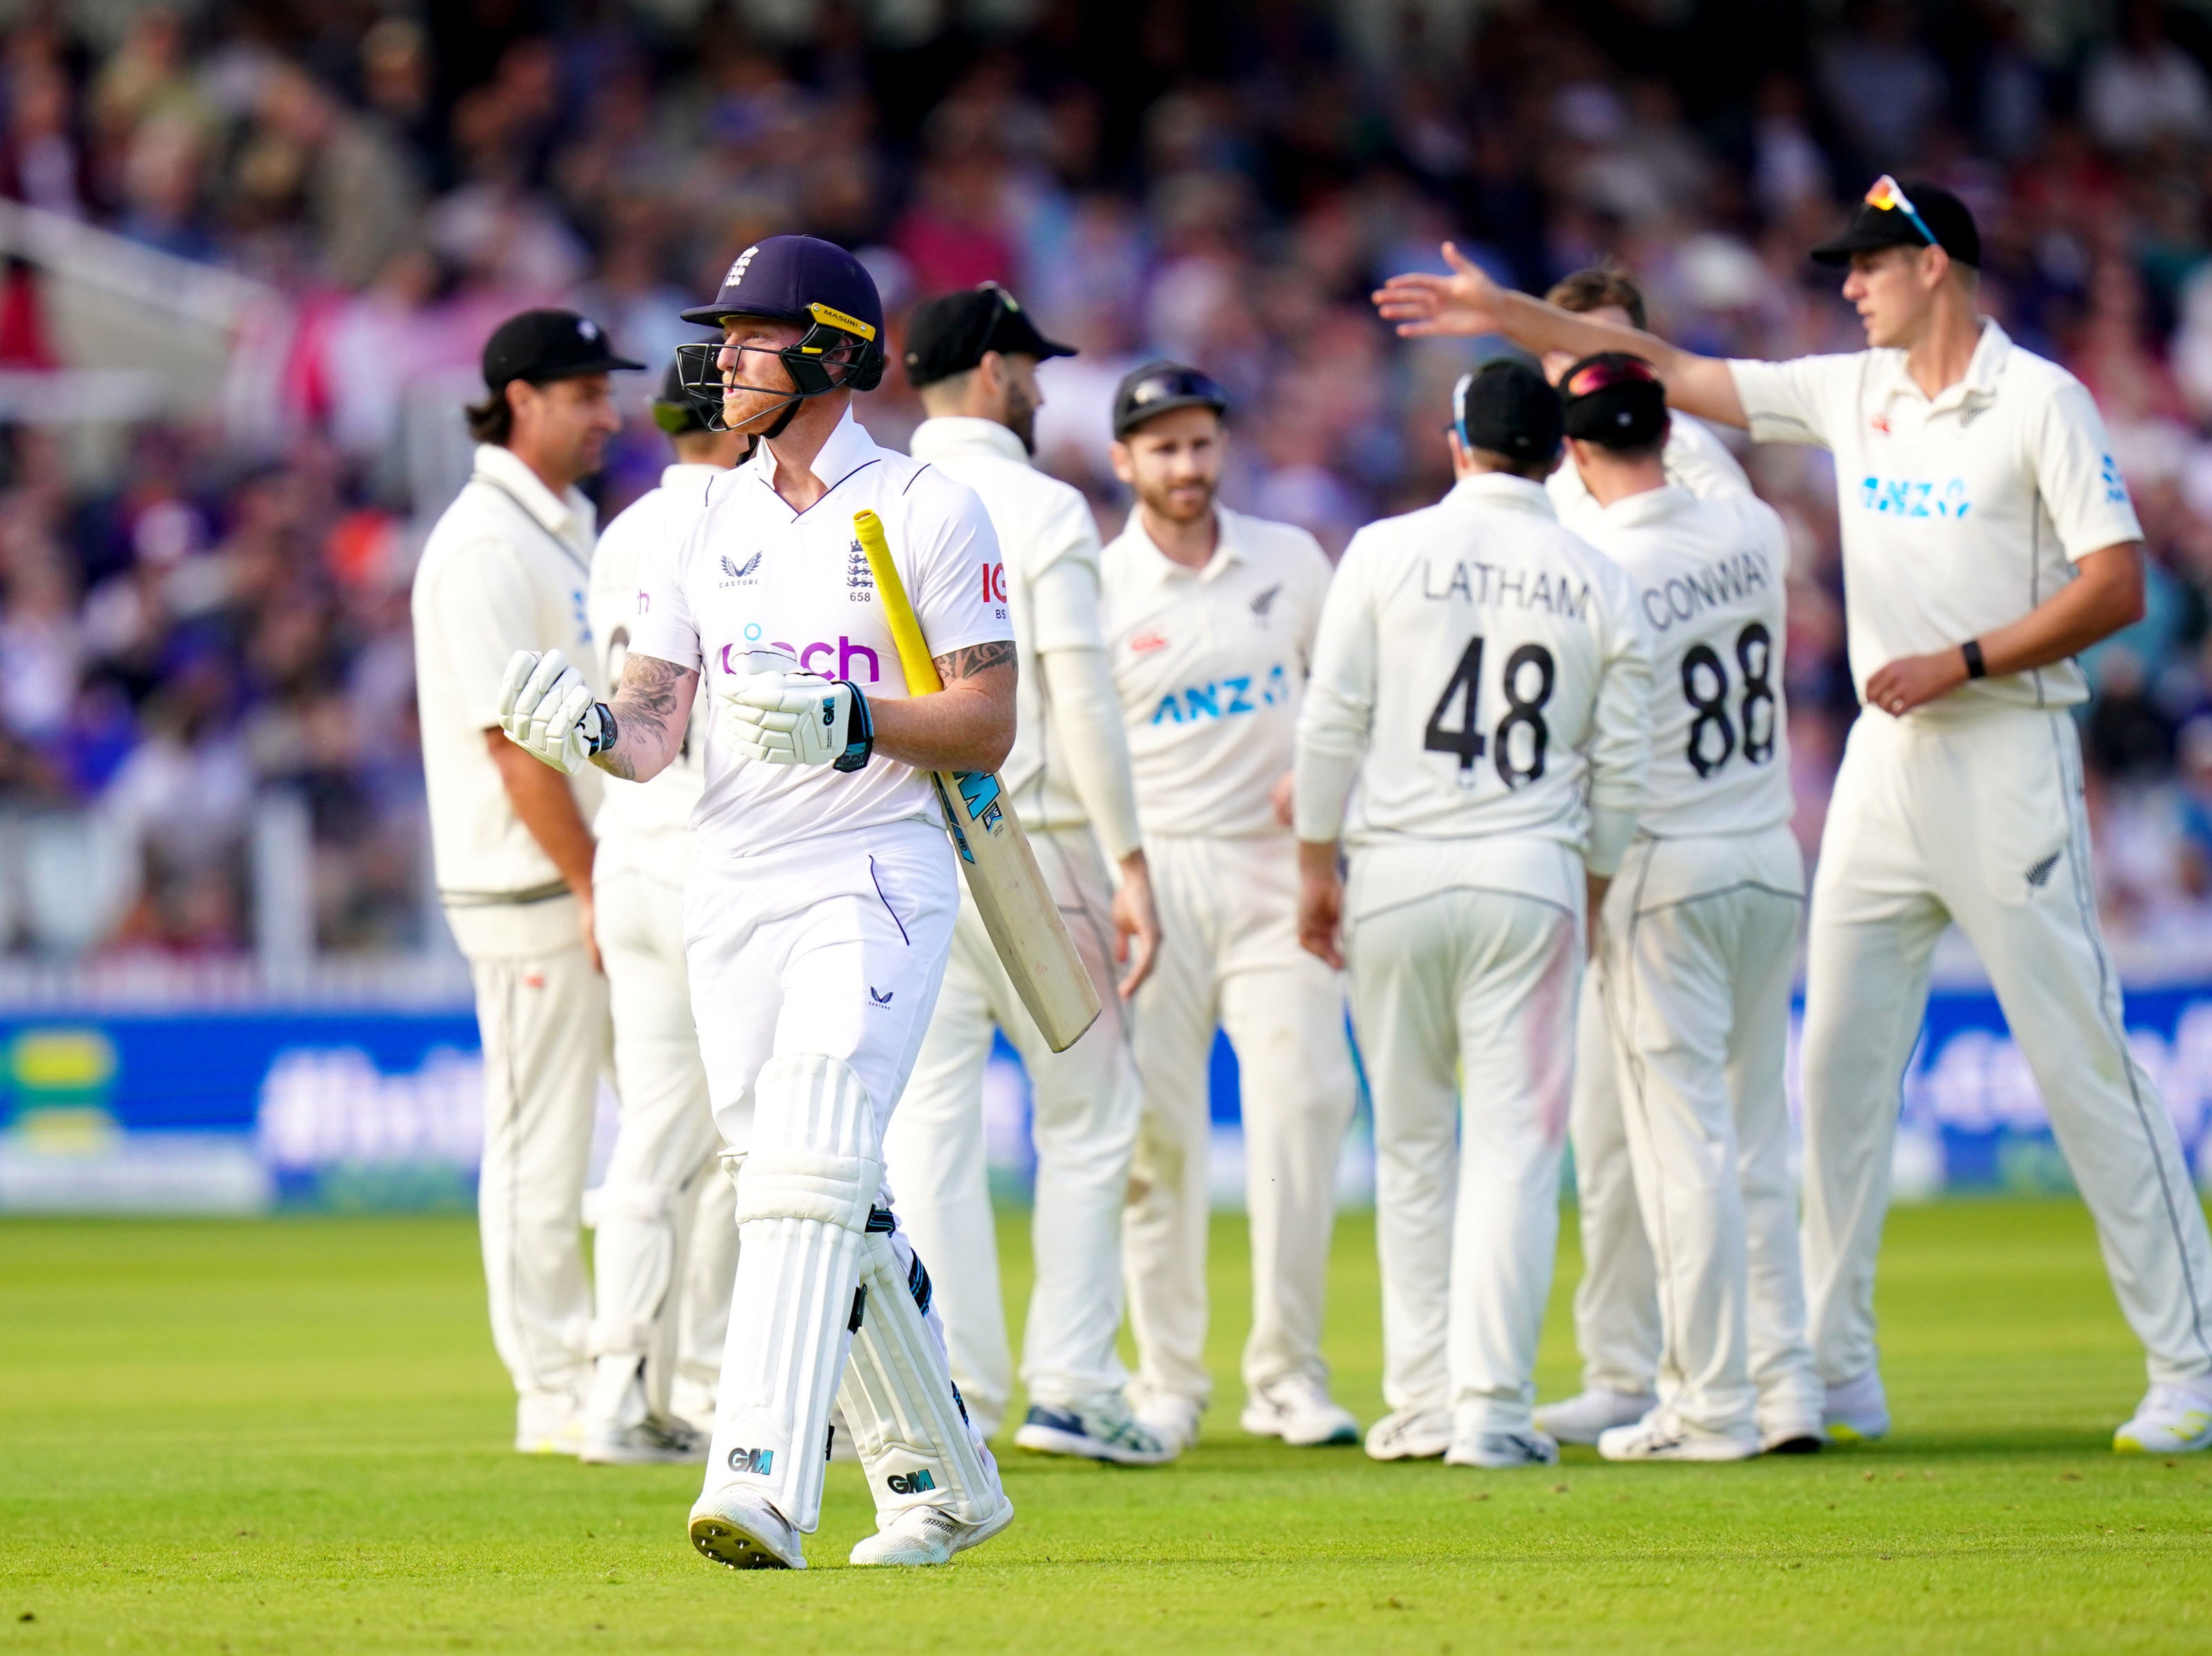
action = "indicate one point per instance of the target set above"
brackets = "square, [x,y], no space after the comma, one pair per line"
[813,658]
[2108,473]
[737,572]
[644,602]
[1223,698]
[1880,424]
[994,582]
[1520,589]
[1683,597]
[1909,497]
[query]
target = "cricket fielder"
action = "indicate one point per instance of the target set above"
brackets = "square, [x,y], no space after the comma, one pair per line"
[667,1241]
[821,903]
[1988,539]
[1210,618]
[507,568]
[972,356]
[1481,675]
[1699,939]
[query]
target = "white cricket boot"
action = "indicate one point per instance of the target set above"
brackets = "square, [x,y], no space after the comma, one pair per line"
[1590,1415]
[928,1535]
[1664,1435]
[2169,1421]
[1298,1410]
[1171,1418]
[620,1429]
[1857,1412]
[1102,1429]
[1502,1451]
[735,1527]
[548,1423]
[1410,1435]
[1791,1437]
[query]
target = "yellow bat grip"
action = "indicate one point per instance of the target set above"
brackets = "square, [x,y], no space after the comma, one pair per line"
[898,612]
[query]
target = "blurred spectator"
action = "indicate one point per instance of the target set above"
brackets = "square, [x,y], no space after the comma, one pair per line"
[2142,87]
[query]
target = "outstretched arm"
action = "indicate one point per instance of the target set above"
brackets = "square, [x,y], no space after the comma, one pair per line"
[1469,301]
[652,706]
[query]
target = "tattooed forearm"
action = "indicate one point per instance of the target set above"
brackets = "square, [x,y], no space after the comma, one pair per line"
[975,659]
[650,709]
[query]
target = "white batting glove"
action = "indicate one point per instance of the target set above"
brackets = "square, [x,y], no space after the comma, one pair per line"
[799,719]
[547,711]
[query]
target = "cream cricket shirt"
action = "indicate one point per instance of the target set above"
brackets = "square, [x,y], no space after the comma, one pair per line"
[1211,664]
[506,569]
[1708,577]
[1484,671]
[646,825]
[756,577]
[1694,458]
[1960,514]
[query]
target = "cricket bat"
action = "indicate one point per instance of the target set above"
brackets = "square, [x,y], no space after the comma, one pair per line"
[1001,870]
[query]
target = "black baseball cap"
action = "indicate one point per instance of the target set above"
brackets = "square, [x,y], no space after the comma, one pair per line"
[539,346]
[1160,388]
[949,334]
[676,410]
[800,279]
[1615,399]
[1505,407]
[1914,213]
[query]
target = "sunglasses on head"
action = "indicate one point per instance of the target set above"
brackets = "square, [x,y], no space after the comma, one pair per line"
[1593,377]
[1174,383]
[1888,195]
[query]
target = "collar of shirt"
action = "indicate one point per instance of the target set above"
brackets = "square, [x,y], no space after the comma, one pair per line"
[963,433]
[1978,383]
[1504,489]
[1228,548]
[1648,506]
[684,471]
[847,448]
[562,515]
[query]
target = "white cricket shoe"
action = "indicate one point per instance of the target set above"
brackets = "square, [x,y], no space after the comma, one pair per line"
[548,1424]
[1410,1435]
[1102,1429]
[1590,1415]
[1501,1450]
[928,1535]
[1298,1410]
[738,1528]
[1857,1410]
[1662,1434]
[1791,1437]
[1171,1418]
[2169,1421]
[648,1443]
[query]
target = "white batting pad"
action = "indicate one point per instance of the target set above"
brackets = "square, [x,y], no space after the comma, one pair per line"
[805,1189]
[908,1425]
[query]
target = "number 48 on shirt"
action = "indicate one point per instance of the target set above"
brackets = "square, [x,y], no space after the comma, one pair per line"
[1517,740]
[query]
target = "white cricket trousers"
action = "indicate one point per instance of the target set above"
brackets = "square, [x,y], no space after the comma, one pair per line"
[542,1014]
[667,1237]
[1617,1301]
[1229,957]
[1083,1121]
[1977,817]
[1465,960]
[1699,939]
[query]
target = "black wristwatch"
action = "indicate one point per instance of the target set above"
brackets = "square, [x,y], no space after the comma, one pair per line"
[859,732]
[1976,667]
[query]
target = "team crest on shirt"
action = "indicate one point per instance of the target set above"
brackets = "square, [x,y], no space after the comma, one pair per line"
[1265,603]
[859,580]
[1146,642]
[1880,424]
[737,572]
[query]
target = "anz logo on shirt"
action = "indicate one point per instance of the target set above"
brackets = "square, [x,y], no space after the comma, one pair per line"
[1224,698]
[2108,473]
[1905,497]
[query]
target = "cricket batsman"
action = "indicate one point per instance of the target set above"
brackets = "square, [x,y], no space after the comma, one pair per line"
[972,356]
[1987,540]
[507,568]
[1482,676]
[1210,618]
[666,1242]
[821,904]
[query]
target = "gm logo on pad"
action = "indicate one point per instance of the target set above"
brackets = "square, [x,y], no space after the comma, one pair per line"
[917,1482]
[754,1463]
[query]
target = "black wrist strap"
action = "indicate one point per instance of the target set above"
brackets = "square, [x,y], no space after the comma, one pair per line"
[1976,668]
[605,738]
[859,732]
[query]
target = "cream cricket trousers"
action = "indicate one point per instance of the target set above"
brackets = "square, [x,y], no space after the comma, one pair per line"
[1700,937]
[1083,1121]
[1465,960]
[1229,957]
[667,1237]
[1976,816]
[542,1013]
[1617,1301]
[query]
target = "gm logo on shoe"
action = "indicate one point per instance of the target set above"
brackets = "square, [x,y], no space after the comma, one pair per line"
[757,1462]
[910,1482]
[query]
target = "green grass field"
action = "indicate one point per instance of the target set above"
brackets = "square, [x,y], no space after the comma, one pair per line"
[290,1436]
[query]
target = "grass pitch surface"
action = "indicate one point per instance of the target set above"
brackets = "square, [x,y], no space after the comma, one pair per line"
[291,1436]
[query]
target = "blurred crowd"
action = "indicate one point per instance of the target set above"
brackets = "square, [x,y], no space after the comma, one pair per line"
[216,617]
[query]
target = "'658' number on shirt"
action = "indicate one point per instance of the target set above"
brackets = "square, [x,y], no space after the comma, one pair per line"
[1520,736]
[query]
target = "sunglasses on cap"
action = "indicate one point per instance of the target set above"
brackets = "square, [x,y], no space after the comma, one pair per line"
[1605,373]
[1181,384]
[1887,196]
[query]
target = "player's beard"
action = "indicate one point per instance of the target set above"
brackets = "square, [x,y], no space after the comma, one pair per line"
[1174,505]
[1021,416]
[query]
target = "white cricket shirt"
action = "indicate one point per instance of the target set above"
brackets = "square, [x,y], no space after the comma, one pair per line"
[1960,513]
[1485,668]
[1049,542]
[1709,580]
[756,576]
[1211,666]
[506,569]
[1693,457]
[646,825]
